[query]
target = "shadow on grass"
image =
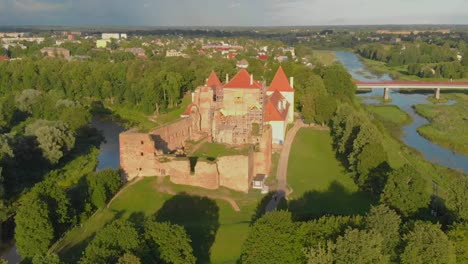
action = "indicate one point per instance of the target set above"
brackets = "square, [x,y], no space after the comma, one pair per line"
[335,201]
[200,218]
[74,253]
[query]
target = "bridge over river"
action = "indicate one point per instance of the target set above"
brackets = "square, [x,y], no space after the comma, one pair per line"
[387,85]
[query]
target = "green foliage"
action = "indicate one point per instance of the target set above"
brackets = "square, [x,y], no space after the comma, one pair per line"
[359,246]
[102,186]
[27,99]
[55,138]
[273,239]
[46,259]
[358,142]
[168,243]
[128,258]
[457,197]
[338,82]
[405,191]
[328,228]
[34,231]
[111,242]
[458,234]
[385,222]
[427,244]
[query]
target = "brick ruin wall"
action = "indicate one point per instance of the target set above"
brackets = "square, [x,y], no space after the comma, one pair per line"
[205,174]
[140,155]
[137,154]
[170,137]
[262,157]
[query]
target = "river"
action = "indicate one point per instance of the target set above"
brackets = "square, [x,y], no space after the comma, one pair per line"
[108,158]
[431,151]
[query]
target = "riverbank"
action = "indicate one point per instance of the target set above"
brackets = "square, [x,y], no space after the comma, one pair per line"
[448,125]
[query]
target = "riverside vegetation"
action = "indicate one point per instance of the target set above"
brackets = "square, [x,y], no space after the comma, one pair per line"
[448,123]
[391,218]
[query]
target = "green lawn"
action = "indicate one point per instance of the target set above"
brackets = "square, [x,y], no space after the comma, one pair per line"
[319,182]
[142,198]
[390,113]
[448,123]
[212,150]
[326,57]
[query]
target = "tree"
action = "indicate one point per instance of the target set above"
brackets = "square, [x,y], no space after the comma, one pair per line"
[359,246]
[27,99]
[458,234]
[46,259]
[55,138]
[128,258]
[273,239]
[405,191]
[386,222]
[169,243]
[457,197]
[34,232]
[102,186]
[427,244]
[111,242]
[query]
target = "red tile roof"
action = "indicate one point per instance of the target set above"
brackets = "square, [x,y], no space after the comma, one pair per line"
[263,57]
[4,58]
[187,111]
[273,111]
[213,80]
[280,82]
[242,81]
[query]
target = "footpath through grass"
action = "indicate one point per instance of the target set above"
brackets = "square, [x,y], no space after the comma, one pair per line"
[448,123]
[142,198]
[319,182]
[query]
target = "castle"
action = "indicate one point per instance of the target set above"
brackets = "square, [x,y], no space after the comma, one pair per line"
[241,111]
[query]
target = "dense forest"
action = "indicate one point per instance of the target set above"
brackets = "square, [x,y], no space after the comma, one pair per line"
[422,59]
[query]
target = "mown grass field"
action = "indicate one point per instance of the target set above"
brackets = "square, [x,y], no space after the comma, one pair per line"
[326,57]
[143,198]
[390,113]
[319,181]
[448,123]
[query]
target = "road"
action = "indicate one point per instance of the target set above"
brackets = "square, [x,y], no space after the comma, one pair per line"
[282,170]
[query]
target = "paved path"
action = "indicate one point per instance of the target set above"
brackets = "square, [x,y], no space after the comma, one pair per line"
[282,170]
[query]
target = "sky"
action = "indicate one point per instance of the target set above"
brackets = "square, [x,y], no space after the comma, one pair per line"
[231,12]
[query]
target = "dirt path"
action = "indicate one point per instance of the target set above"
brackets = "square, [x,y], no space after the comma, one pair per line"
[161,187]
[282,170]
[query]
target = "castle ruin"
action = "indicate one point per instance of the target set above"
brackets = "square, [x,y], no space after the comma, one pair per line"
[238,112]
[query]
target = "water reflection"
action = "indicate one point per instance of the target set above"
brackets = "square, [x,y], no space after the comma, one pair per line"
[431,151]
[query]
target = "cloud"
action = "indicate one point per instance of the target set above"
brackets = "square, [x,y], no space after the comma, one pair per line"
[230,12]
[35,6]
[234,4]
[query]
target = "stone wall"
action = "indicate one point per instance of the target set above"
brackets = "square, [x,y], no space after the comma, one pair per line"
[262,157]
[137,155]
[203,98]
[234,172]
[205,174]
[170,137]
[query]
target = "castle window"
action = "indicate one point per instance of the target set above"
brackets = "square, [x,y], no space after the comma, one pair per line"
[141,153]
[142,142]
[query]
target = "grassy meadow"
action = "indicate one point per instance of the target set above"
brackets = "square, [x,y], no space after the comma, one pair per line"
[143,198]
[319,182]
[448,123]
